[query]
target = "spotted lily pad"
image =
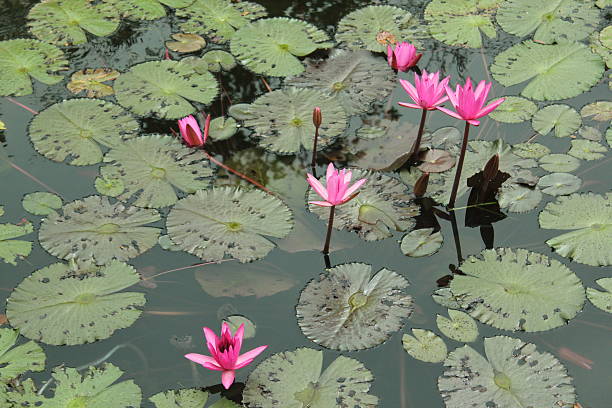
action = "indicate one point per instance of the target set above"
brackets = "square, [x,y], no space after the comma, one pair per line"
[421,242]
[41,203]
[530,150]
[514,109]
[164,89]
[11,249]
[515,289]
[75,304]
[562,118]
[183,398]
[219,60]
[513,374]
[518,198]
[228,221]
[21,59]
[73,130]
[93,228]
[425,345]
[587,150]
[600,111]
[559,184]
[186,43]
[92,81]
[588,217]
[16,360]
[145,9]
[271,46]
[559,163]
[459,326]
[349,309]
[293,379]
[602,299]
[66,22]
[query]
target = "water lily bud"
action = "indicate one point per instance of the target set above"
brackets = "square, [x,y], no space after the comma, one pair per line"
[420,187]
[491,168]
[317,118]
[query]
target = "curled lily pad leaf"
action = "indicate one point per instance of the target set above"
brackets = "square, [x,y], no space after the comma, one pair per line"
[21,59]
[75,304]
[355,78]
[66,22]
[515,289]
[461,22]
[514,109]
[551,21]
[183,398]
[219,60]
[530,150]
[548,66]
[460,327]
[518,198]
[590,133]
[587,150]
[153,166]
[381,207]
[293,379]
[601,299]
[186,42]
[91,80]
[282,119]
[222,128]
[588,217]
[228,221]
[562,118]
[513,374]
[235,321]
[41,203]
[600,111]
[559,184]
[425,345]
[164,89]
[145,9]
[375,27]
[93,228]
[421,242]
[11,248]
[444,297]
[349,309]
[73,130]
[271,46]
[562,163]
[436,161]
[15,361]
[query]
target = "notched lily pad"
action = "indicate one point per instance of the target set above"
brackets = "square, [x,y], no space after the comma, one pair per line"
[559,184]
[587,150]
[11,249]
[562,118]
[16,360]
[183,398]
[459,326]
[425,345]
[41,203]
[186,43]
[421,242]
[601,299]
[91,81]
[219,60]
[530,150]
[514,109]
[145,9]
[562,163]
[222,128]
[518,198]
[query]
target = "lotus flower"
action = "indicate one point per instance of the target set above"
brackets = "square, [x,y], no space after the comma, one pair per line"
[225,353]
[427,92]
[403,56]
[469,103]
[191,133]
[337,190]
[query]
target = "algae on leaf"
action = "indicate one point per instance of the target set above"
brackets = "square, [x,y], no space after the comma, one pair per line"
[11,249]
[17,360]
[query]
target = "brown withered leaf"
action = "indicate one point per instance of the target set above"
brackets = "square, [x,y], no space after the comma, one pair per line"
[436,161]
[91,80]
[186,42]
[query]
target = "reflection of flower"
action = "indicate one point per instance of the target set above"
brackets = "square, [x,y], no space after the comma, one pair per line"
[469,103]
[403,56]
[427,92]
[225,353]
[190,131]
[336,190]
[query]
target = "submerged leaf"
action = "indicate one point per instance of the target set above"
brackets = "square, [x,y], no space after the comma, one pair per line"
[11,248]
[421,242]
[91,80]
[15,361]
[425,345]
[562,118]
[460,327]
[601,299]
[587,150]
[41,203]
[514,109]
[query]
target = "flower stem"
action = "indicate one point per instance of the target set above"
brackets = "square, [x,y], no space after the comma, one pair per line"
[313,165]
[417,144]
[330,224]
[453,196]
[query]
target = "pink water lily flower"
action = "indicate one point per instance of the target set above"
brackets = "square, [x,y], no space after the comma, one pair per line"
[225,353]
[403,56]
[191,133]
[427,92]
[337,190]
[469,103]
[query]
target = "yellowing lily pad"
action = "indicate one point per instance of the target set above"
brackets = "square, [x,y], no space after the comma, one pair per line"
[186,43]
[91,81]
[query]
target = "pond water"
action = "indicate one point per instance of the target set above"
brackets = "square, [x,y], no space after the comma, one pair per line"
[184,293]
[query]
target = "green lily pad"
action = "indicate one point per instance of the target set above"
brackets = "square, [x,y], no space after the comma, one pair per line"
[219,60]
[562,118]
[559,184]
[293,379]
[460,327]
[553,21]
[185,43]
[381,207]
[588,217]
[603,3]
[21,59]
[11,249]
[551,69]
[219,19]
[75,304]
[587,150]
[228,221]
[145,9]
[93,228]
[518,198]
[374,27]
[513,374]
[609,136]
[561,163]
[109,183]
[600,111]
[282,120]
[605,36]
[355,78]
[601,299]
[41,203]
[530,150]
[1,210]
[15,361]
[271,46]
[590,133]
[515,289]
[67,22]
[235,321]
[183,398]
[164,89]
[73,130]
[597,47]
[461,22]
[152,167]
[222,128]
[514,109]
[348,309]
[421,242]
[425,345]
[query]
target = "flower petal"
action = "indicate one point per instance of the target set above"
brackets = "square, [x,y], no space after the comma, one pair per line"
[450,112]
[227,378]
[321,203]
[490,107]
[410,89]
[249,355]
[317,186]
[410,105]
[473,122]
[202,360]
[211,340]
[354,188]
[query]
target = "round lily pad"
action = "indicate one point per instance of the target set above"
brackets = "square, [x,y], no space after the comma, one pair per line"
[349,309]
[21,59]
[601,299]
[271,46]
[588,217]
[562,118]
[92,81]
[421,242]
[186,43]
[551,69]
[222,128]
[598,48]
[75,304]
[152,167]
[73,130]
[600,111]
[530,150]
[518,198]
[459,326]
[562,163]
[219,60]
[375,27]
[293,379]
[590,133]
[513,374]
[93,228]
[109,183]
[425,345]
[146,9]
[16,360]
[559,184]
[164,89]
[41,203]
[436,161]
[67,22]
[228,221]
[11,249]
[514,109]
[183,398]
[587,150]
[515,289]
